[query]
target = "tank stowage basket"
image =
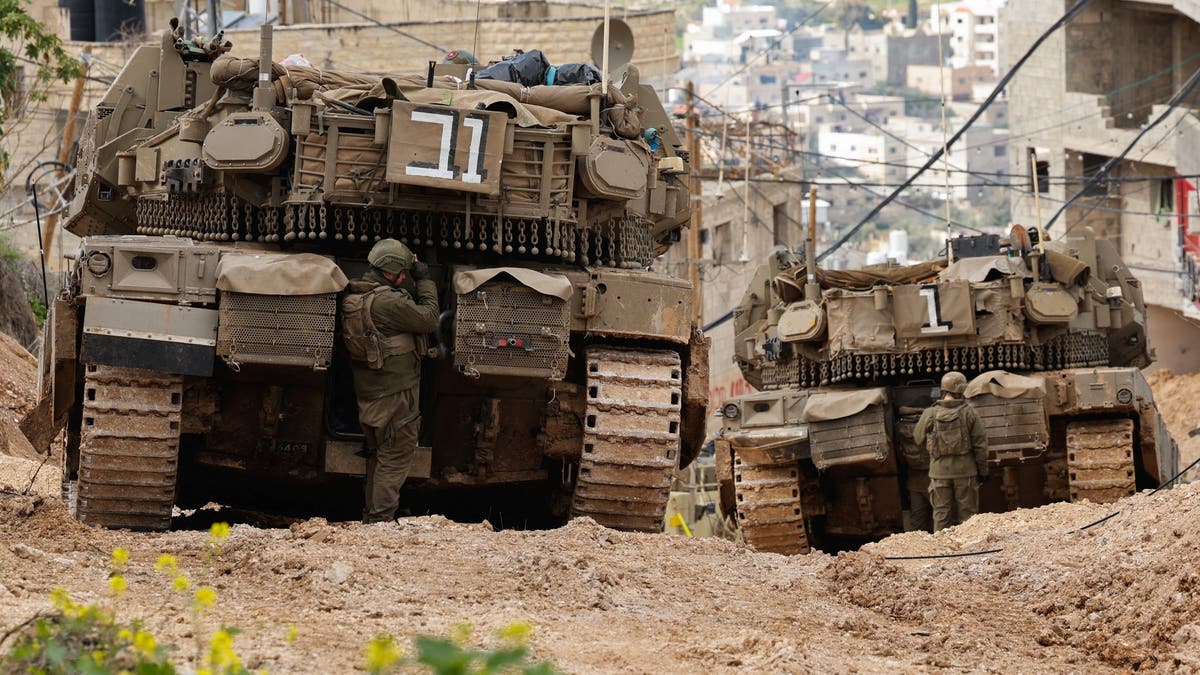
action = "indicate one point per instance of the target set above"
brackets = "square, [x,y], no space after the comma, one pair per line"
[1016,427]
[295,330]
[506,328]
[861,437]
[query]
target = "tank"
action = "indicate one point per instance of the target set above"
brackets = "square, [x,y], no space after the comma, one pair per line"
[195,353]
[1051,335]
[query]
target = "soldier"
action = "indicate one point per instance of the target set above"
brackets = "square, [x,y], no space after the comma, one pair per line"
[384,332]
[953,434]
[916,461]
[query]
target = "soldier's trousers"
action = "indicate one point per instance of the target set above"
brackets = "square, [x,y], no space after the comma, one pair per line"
[920,512]
[391,424]
[954,500]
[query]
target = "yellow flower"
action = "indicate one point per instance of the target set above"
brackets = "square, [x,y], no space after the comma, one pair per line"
[220,652]
[205,597]
[144,643]
[117,584]
[461,634]
[217,534]
[292,634]
[98,657]
[125,635]
[166,564]
[382,653]
[181,583]
[517,632]
[61,599]
[120,558]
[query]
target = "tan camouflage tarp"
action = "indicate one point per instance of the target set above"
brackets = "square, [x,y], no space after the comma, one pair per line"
[834,405]
[856,326]
[554,285]
[279,274]
[456,149]
[1006,385]
[788,285]
[977,269]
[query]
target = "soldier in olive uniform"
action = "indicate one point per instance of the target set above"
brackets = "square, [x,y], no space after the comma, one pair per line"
[384,329]
[953,434]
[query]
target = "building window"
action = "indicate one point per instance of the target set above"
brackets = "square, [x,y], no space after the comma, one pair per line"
[1091,166]
[999,151]
[1164,200]
[722,242]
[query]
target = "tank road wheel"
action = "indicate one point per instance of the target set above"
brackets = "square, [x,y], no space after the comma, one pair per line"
[1100,459]
[630,438]
[129,454]
[766,484]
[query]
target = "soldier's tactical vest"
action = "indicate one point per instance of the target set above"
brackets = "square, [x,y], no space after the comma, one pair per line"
[948,433]
[364,344]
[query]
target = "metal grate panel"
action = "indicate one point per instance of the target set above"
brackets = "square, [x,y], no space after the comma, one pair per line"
[292,330]
[505,328]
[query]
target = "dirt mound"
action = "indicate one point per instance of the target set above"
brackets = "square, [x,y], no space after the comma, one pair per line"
[1176,396]
[1124,594]
[18,393]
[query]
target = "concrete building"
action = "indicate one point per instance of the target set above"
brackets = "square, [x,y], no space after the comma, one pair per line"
[893,49]
[876,156]
[958,83]
[973,27]
[1082,98]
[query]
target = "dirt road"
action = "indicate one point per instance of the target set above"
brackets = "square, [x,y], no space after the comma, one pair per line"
[1121,595]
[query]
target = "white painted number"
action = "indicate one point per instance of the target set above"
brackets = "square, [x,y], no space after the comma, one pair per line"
[471,175]
[445,168]
[935,324]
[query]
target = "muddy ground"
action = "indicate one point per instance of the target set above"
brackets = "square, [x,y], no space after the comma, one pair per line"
[1118,596]
[1122,595]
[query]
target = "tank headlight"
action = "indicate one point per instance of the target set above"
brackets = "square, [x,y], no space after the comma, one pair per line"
[731,411]
[99,263]
[1124,396]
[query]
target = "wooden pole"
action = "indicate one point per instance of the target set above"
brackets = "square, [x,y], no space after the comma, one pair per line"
[694,251]
[68,140]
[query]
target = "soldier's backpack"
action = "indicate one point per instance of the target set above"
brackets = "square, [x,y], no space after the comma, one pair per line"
[364,344]
[948,433]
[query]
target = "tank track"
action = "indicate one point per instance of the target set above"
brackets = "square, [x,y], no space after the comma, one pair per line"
[1100,459]
[769,508]
[129,454]
[630,438]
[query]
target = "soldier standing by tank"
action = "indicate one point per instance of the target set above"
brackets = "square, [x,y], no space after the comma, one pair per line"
[384,330]
[953,434]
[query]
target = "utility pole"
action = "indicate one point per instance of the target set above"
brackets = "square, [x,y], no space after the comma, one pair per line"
[694,251]
[68,142]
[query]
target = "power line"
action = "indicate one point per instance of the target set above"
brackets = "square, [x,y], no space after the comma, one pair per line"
[775,44]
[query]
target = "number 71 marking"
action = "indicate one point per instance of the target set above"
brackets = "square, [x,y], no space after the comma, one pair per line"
[445,167]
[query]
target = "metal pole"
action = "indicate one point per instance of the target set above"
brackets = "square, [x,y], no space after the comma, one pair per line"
[746,197]
[694,251]
[604,58]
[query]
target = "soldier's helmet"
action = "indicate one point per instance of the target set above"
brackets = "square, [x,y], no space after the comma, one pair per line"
[954,382]
[460,56]
[390,256]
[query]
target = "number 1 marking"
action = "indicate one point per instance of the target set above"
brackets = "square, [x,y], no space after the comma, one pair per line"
[933,303]
[478,129]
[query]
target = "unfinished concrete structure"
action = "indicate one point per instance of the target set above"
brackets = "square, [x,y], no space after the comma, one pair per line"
[1080,100]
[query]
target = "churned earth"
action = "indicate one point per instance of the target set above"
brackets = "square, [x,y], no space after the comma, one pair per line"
[1118,596]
